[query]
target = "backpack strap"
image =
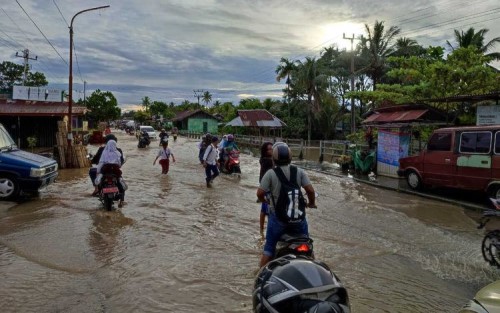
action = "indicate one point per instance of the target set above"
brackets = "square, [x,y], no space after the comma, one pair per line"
[282,178]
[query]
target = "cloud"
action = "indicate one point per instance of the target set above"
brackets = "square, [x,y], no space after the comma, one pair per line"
[165,49]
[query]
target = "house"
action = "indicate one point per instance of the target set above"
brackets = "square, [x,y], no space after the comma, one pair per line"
[23,118]
[197,121]
[259,122]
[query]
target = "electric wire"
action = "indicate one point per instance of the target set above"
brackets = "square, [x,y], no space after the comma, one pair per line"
[42,33]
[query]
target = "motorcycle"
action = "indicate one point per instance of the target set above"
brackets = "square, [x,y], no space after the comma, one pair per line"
[144,141]
[233,164]
[107,183]
[485,301]
[175,137]
[490,246]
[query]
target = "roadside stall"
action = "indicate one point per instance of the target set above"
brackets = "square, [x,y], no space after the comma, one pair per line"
[397,137]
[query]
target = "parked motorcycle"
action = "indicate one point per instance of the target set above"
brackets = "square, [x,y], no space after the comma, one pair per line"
[233,163]
[144,140]
[490,246]
[107,183]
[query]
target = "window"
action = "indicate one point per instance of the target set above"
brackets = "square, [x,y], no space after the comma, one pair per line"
[475,142]
[440,142]
[497,143]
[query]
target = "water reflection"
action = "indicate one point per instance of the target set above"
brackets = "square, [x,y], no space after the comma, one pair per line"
[104,236]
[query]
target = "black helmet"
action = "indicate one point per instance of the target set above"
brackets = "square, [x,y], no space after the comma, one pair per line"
[282,155]
[109,137]
[298,284]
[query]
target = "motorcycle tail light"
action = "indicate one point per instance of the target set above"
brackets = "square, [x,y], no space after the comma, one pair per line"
[303,248]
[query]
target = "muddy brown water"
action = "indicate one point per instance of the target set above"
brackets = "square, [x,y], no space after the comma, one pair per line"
[177,246]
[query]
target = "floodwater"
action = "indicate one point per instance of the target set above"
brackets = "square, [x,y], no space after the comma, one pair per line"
[177,246]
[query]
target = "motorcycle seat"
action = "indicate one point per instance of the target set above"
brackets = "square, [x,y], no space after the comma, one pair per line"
[295,237]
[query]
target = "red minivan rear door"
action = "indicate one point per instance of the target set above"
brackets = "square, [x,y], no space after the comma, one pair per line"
[474,159]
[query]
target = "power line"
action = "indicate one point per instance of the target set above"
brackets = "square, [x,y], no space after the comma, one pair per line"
[60,12]
[42,33]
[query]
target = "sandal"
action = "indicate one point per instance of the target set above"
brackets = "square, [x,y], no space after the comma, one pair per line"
[95,193]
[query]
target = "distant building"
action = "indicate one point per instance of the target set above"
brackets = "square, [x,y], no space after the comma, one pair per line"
[258,122]
[196,121]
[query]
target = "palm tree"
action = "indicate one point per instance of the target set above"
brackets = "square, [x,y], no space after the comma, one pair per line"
[146,102]
[286,69]
[406,47]
[476,39]
[310,79]
[207,98]
[378,46]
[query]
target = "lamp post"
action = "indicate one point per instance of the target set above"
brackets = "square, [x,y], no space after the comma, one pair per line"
[70,100]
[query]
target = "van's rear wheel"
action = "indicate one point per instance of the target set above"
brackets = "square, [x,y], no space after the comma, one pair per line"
[413,180]
[494,192]
[9,188]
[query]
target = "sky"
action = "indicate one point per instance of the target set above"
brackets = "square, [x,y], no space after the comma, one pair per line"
[169,50]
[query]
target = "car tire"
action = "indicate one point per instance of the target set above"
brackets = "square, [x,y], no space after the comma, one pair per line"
[494,192]
[9,187]
[414,181]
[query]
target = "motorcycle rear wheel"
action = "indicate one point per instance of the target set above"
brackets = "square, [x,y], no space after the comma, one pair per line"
[108,202]
[490,248]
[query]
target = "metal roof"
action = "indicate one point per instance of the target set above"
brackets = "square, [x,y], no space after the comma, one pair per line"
[458,98]
[401,116]
[38,108]
[256,118]
[185,114]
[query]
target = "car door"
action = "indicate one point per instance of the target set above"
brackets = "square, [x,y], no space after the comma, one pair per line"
[439,161]
[473,166]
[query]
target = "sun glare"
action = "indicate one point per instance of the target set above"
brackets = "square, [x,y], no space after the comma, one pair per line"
[333,33]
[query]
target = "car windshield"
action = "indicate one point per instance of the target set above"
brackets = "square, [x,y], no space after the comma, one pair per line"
[148,129]
[6,142]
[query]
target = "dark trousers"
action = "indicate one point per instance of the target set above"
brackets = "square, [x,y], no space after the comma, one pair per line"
[211,171]
[93,174]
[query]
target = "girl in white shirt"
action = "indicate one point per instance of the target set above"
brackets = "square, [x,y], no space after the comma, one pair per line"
[164,155]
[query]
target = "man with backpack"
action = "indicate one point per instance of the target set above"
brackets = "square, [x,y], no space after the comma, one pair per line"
[286,202]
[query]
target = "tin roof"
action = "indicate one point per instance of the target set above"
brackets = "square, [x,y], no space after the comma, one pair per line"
[185,114]
[256,118]
[404,114]
[38,108]
[401,116]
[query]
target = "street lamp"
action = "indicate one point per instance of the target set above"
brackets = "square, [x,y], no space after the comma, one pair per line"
[70,100]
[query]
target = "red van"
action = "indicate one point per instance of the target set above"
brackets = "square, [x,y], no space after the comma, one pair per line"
[457,157]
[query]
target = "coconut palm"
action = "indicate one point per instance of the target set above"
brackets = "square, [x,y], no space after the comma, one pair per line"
[406,47]
[311,80]
[377,47]
[476,39]
[207,98]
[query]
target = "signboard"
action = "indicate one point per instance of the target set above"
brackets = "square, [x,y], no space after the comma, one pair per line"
[37,94]
[488,115]
[392,146]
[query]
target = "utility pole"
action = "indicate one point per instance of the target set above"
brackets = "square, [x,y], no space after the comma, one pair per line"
[26,57]
[84,97]
[353,110]
[198,93]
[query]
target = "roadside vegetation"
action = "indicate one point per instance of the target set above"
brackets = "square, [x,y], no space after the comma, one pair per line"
[389,69]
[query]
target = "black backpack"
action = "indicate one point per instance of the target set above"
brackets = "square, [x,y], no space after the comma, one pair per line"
[291,205]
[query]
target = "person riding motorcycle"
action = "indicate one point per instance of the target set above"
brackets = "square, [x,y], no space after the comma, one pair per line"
[227,148]
[111,156]
[163,134]
[282,157]
[95,160]
[144,139]
[298,284]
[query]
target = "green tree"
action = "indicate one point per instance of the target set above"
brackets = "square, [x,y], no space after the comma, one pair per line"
[146,102]
[285,69]
[475,39]
[102,106]
[406,47]
[310,80]
[377,46]
[158,108]
[141,116]
[207,98]
[13,74]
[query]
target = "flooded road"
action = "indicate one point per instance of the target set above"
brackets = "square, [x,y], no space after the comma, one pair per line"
[177,246]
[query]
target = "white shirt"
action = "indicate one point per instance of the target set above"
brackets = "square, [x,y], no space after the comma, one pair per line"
[164,153]
[211,155]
